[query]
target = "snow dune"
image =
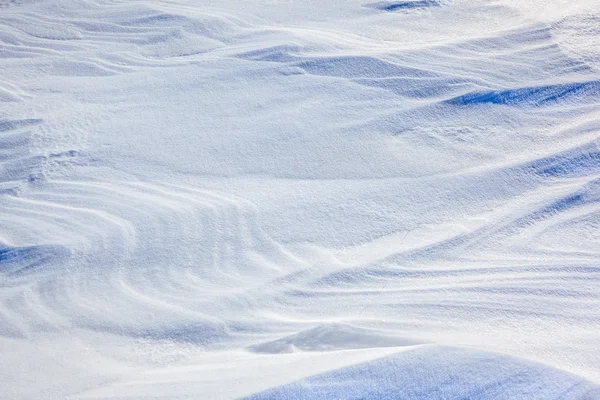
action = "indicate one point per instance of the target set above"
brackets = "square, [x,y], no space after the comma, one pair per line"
[409,374]
[276,199]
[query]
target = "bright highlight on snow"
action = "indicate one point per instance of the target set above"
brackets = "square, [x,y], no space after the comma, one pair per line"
[282,199]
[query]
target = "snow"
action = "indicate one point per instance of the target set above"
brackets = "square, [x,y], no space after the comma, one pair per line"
[285,199]
[409,374]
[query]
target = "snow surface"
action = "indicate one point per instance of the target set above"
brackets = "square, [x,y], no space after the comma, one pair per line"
[299,199]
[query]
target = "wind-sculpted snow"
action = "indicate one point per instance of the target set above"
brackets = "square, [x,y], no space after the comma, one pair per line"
[272,200]
[403,5]
[408,374]
[535,96]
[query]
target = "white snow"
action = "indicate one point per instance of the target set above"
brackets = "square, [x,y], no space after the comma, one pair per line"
[290,199]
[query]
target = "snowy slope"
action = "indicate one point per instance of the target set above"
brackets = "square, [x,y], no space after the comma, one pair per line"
[290,199]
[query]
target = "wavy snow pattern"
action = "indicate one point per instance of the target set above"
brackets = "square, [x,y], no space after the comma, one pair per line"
[351,200]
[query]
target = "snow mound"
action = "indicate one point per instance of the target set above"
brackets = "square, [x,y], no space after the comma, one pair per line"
[437,372]
[331,337]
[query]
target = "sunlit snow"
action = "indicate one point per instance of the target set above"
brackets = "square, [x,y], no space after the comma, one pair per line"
[285,199]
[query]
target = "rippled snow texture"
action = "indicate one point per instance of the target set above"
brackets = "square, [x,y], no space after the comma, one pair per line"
[306,200]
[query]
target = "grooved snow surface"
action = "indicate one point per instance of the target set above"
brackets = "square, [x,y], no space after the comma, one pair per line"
[299,200]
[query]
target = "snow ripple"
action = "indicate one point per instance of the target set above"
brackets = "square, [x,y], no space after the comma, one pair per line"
[349,200]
